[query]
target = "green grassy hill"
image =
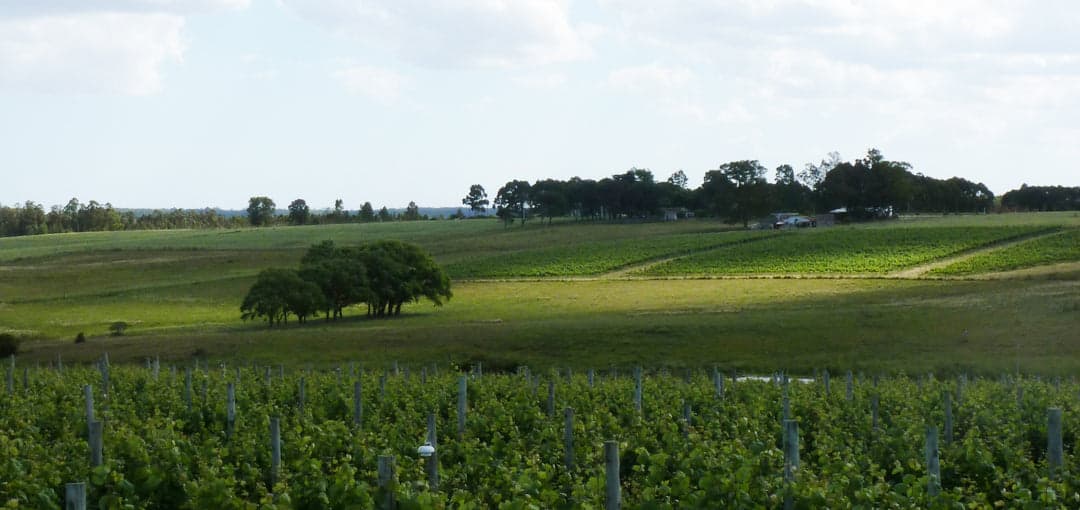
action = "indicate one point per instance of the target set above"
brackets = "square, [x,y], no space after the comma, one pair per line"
[908,295]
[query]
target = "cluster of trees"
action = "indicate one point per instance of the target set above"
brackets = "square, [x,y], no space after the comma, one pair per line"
[382,275]
[31,218]
[261,212]
[740,191]
[1042,198]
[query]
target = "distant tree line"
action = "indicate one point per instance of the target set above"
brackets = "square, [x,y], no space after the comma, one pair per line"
[737,191]
[740,191]
[31,218]
[383,275]
[1042,198]
[261,212]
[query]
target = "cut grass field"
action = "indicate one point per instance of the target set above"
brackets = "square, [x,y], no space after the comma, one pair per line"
[180,291]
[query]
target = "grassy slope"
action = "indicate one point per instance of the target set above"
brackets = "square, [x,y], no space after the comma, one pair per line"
[181,290]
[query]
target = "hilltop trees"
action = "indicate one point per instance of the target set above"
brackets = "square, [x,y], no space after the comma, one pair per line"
[384,275]
[476,199]
[260,211]
[510,201]
[299,212]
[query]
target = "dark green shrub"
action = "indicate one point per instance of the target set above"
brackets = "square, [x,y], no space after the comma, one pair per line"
[80,338]
[8,345]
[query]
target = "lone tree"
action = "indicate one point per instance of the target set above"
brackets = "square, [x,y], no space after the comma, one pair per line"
[367,213]
[476,199]
[299,212]
[384,275]
[260,211]
[412,212]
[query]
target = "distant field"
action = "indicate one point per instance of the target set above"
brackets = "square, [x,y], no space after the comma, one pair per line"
[180,292]
[1059,247]
[841,250]
[595,257]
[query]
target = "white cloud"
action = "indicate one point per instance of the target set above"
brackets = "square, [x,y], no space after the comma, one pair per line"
[542,81]
[383,85]
[457,33]
[61,46]
[650,78]
[672,88]
[45,7]
[97,53]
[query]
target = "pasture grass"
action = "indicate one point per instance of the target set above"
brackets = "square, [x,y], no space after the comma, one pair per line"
[180,291]
[750,324]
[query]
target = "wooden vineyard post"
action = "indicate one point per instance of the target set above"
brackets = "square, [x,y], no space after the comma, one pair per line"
[275,450]
[423,376]
[301,396]
[268,378]
[75,496]
[462,405]
[718,381]
[96,443]
[386,481]
[382,387]
[825,377]
[791,458]
[568,439]
[948,417]
[357,403]
[933,464]
[432,462]
[613,499]
[551,398]
[849,390]
[591,377]
[1055,451]
[960,381]
[230,409]
[688,413]
[104,368]
[874,412]
[637,390]
[88,395]
[11,376]
[786,404]
[187,388]
[157,366]
[26,378]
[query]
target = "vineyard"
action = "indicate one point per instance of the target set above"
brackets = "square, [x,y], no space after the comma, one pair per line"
[591,258]
[199,437]
[1061,247]
[840,250]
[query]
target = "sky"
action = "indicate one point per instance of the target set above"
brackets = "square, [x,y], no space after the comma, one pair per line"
[205,103]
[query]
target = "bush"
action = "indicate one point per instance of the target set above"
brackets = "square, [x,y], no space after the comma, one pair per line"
[80,338]
[117,328]
[8,344]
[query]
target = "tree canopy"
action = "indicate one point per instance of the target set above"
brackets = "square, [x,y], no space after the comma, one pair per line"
[260,211]
[384,275]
